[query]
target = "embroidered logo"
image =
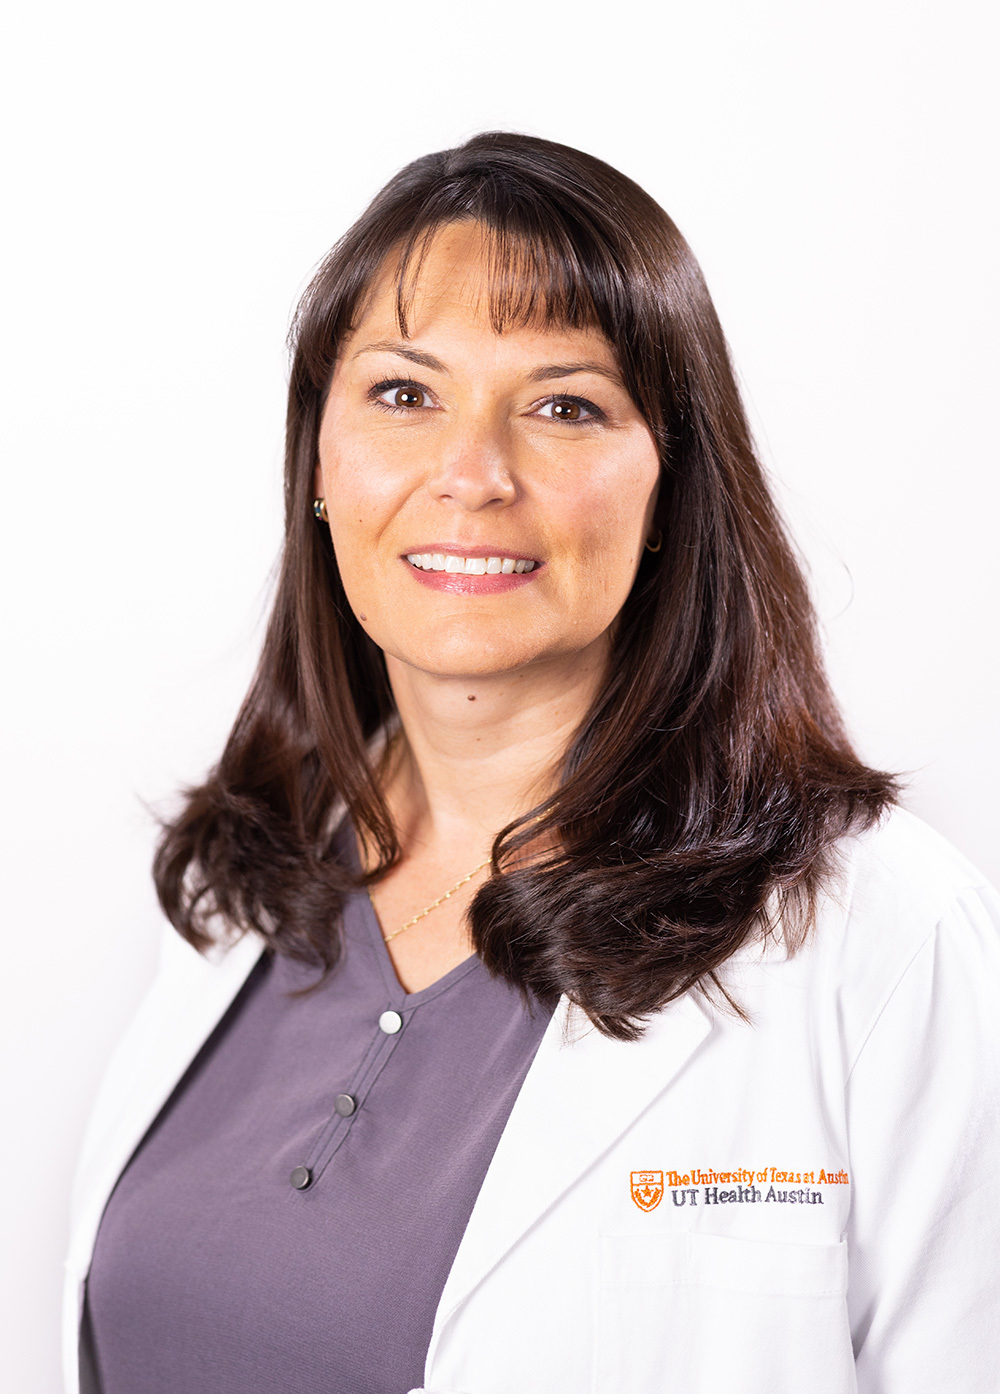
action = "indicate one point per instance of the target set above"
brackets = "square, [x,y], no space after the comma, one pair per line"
[745,1185]
[647,1189]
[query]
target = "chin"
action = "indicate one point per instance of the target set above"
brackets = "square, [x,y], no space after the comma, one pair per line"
[464,655]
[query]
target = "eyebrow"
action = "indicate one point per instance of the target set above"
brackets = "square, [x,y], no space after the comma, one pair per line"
[566,370]
[542,374]
[426,360]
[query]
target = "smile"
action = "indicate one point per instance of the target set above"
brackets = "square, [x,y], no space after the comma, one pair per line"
[469,566]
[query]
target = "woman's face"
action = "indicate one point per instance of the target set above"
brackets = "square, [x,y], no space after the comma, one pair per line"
[489,495]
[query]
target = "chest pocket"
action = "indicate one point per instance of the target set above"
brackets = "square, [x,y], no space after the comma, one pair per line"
[710,1314]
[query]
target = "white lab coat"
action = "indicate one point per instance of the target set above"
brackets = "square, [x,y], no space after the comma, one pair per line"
[864,1086]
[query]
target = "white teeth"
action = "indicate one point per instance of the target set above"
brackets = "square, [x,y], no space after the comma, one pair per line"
[469,566]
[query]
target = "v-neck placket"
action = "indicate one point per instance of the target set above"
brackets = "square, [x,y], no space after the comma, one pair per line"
[388,1031]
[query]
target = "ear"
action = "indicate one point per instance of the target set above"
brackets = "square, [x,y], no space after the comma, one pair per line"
[318,485]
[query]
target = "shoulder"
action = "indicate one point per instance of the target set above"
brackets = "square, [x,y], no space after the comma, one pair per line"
[903,863]
[886,892]
[895,885]
[904,918]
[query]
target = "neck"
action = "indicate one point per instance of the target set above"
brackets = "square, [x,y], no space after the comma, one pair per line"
[481,751]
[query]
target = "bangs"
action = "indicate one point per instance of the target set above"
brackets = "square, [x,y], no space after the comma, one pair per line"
[566,242]
[536,276]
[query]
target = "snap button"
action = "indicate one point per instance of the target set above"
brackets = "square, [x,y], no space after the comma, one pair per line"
[345,1105]
[301,1178]
[390,1023]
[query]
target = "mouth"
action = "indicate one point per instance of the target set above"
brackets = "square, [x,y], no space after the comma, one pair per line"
[455,565]
[481,571]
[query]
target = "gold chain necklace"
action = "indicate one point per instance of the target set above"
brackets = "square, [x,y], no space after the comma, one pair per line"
[434,903]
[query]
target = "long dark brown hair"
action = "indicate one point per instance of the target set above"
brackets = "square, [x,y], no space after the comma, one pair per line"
[707,785]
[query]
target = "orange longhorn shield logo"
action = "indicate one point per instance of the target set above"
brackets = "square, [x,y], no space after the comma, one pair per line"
[647,1189]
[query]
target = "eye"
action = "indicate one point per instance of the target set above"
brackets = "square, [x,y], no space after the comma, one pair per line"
[407,397]
[570,409]
[400,395]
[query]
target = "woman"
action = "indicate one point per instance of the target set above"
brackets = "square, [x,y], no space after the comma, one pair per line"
[573,1010]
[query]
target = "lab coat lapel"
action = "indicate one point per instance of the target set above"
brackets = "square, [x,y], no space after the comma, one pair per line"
[581,1093]
[187,1000]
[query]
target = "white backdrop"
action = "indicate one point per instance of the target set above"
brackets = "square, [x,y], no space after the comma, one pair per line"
[175,173]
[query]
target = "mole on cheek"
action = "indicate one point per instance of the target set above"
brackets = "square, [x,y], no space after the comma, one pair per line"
[471,698]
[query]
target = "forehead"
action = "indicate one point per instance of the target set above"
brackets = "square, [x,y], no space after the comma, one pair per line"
[464,279]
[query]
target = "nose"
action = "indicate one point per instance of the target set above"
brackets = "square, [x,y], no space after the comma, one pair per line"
[474,470]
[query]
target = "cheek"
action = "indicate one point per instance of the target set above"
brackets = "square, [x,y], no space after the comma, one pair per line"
[363,490]
[609,515]
[365,495]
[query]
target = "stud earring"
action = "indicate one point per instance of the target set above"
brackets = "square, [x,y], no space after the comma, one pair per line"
[655,547]
[319,511]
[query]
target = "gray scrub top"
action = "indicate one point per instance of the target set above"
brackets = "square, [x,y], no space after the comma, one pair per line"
[288,1222]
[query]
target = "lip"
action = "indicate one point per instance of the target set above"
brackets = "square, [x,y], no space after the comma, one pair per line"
[460,584]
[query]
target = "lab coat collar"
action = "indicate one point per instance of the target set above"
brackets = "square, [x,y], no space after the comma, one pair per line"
[582,1092]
